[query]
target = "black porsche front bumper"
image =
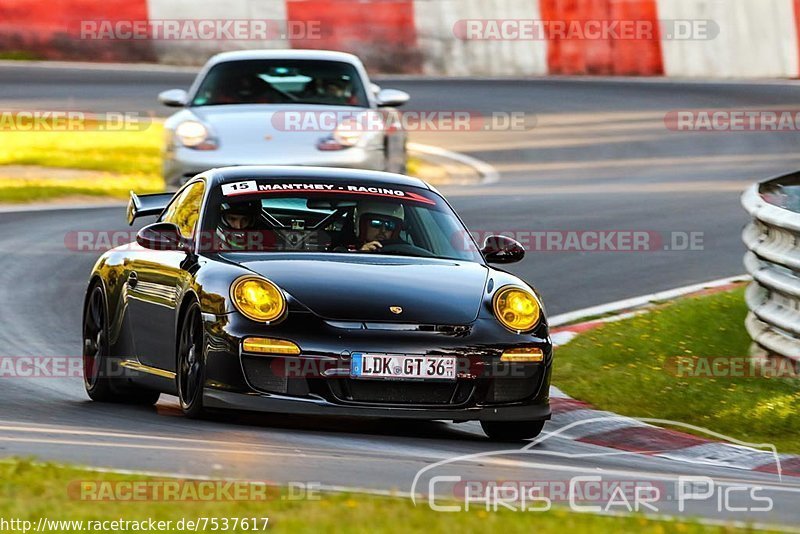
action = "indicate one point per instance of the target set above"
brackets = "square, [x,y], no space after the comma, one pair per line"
[256,402]
[318,381]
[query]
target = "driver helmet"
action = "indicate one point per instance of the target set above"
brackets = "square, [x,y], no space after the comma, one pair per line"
[235,220]
[371,212]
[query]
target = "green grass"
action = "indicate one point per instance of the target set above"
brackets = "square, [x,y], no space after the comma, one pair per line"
[624,367]
[124,152]
[126,160]
[20,55]
[29,190]
[29,491]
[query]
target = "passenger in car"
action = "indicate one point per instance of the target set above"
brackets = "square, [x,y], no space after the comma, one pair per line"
[376,224]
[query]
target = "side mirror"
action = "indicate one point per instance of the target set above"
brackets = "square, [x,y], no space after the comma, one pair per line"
[161,236]
[391,98]
[174,98]
[502,249]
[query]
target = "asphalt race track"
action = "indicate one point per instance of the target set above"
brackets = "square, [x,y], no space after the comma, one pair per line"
[600,158]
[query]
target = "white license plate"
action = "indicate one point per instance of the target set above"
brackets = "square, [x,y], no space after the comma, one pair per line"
[396,366]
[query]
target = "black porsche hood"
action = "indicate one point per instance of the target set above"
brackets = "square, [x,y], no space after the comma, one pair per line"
[358,289]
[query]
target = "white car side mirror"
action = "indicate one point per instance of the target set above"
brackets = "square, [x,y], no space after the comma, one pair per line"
[174,98]
[391,98]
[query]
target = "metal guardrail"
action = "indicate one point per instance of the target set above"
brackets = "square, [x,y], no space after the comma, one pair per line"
[773,260]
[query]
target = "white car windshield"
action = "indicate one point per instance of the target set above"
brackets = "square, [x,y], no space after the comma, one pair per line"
[282,82]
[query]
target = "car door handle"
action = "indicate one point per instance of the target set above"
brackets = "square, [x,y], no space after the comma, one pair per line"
[133,279]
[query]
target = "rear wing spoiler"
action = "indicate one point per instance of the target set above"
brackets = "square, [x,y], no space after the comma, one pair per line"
[144,205]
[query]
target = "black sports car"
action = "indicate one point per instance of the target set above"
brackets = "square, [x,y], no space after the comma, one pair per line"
[317,291]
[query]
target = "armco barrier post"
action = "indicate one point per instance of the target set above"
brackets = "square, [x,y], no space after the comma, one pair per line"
[773,260]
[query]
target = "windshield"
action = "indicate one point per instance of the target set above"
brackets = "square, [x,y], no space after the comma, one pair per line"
[274,216]
[282,82]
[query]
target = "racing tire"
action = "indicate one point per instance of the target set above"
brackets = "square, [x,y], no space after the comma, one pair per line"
[191,364]
[96,358]
[512,431]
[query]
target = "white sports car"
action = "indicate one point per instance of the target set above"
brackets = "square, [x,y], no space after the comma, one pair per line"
[282,107]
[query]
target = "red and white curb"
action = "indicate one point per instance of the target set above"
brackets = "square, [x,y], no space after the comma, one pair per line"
[614,431]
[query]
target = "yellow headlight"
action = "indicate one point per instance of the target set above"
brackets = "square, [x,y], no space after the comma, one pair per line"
[257,298]
[516,308]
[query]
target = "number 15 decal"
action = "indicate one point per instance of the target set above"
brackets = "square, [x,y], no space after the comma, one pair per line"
[239,188]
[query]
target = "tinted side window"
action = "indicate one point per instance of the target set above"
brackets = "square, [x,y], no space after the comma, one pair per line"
[184,210]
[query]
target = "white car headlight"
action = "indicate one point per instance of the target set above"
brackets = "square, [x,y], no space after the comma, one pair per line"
[194,134]
[348,133]
[351,130]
